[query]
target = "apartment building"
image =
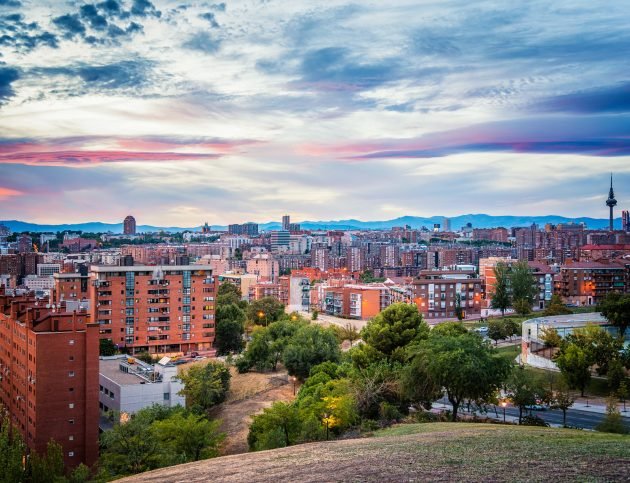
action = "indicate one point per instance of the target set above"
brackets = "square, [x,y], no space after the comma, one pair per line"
[165,309]
[588,283]
[49,376]
[356,301]
[436,293]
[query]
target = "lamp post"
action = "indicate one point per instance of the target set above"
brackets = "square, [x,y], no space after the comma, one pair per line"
[261,314]
[294,379]
[503,404]
[326,421]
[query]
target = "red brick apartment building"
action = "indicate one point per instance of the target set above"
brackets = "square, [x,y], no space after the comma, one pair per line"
[435,293]
[49,376]
[167,309]
[588,283]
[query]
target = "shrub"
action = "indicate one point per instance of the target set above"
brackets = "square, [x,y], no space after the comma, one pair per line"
[533,420]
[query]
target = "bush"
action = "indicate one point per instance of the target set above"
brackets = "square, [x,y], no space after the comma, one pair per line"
[426,417]
[315,315]
[533,420]
[388,412]
[242,364]
[369,426]
[613,422]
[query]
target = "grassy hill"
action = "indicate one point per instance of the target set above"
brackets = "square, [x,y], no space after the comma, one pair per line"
[421,452]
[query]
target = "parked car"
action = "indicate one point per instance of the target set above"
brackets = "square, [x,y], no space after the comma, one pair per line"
[536,407]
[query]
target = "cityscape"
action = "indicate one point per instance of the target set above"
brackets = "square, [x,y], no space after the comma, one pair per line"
[313,241]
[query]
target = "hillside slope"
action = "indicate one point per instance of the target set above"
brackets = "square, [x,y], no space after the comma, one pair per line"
[421,452]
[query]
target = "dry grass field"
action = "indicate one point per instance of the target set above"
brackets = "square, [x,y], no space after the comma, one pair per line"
[425,452]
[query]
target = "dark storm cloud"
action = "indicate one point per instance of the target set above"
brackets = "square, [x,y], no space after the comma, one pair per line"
[334,68]
[610,99]
[202,42]
[90,14]
[144,8]
[8,75]
[23,36]
[70,25]
[10,3]
[210,18]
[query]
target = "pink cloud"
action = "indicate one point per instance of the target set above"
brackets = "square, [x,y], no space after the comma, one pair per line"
[8,193]
[85,158]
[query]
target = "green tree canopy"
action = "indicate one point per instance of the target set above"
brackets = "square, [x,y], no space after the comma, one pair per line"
[230,325]
[228,294]
[501,299]
[556,307]
[205,385]
[265,311]
[395,328]
[574,364]
[616,308]
[276,427]
[524,389]
[464,365]
[522,284]
[311,345]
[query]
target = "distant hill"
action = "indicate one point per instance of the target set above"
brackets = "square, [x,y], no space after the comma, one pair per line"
[477,221]
[424,452]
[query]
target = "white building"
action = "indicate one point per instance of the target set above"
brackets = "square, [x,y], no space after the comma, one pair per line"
[127,384]
[39,284]
[47,269]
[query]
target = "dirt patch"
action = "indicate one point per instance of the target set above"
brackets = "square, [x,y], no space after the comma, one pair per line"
[249,394]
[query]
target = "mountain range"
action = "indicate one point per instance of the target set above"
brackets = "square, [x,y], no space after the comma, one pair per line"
[477,221]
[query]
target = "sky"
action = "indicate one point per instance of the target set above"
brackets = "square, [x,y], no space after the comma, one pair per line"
[184,112]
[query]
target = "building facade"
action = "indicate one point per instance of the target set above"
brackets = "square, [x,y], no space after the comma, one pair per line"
[168,309]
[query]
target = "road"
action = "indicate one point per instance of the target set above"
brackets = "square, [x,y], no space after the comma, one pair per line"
[576,418]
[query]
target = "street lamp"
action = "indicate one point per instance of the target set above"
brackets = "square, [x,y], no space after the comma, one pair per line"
[503,404]
[261,314]
[294,379]
[326,421]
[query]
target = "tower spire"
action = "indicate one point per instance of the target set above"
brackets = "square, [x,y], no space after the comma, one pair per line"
[611,202]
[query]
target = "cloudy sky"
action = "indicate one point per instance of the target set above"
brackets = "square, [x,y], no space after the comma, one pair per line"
[183,112]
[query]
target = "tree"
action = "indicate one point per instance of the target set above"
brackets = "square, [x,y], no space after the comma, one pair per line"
[551,337]
[49,466]
[265,310]
[574,365]
[501,290]
[230,325]
[107,347]
[464,365]
[616,308]
[496,331]
[311,345]
[523,390]
[280,335]
[616,374]
[375,384]
[350,333]
[205,385]
[315,315]
[556,307]
[188,437]
[228,294]
[459,311]
[600,347]
[522,285]
[129,447]
[276,427]
[395,328]
[622,392]
[563,400]
[12,451]
[613,421]
[511,328]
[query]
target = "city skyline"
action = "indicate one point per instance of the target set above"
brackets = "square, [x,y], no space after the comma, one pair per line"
[184,112]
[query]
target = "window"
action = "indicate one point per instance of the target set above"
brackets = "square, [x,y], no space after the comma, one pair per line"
[71,358]
[167,396]
[71,453]
[71,406]
[70,438]
[71,421]
[71,374]
[71,342]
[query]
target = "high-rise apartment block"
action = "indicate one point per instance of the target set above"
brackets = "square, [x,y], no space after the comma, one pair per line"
[129,225]
[155,309]
[249,229]
[625,220]
[286,222]
[49,376]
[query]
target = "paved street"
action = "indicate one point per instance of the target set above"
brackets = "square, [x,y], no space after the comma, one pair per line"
[579,418]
